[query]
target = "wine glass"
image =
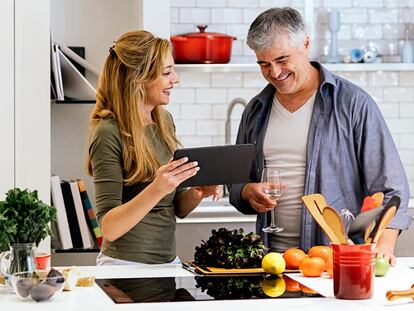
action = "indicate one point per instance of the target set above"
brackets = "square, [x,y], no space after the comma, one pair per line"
[273,187]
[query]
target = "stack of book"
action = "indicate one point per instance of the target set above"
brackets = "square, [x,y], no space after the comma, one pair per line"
[77,226]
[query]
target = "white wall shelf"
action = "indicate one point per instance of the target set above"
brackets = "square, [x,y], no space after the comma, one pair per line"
[255,67]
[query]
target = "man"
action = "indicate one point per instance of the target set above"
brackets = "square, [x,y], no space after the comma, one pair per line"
[324,134]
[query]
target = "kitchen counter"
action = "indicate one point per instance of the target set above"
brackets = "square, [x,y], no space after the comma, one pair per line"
[94,298]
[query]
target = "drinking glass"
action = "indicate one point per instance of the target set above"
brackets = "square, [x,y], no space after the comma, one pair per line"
[273,187]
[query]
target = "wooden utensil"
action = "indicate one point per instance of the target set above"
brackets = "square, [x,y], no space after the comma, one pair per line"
[315,203]
[368,231]
[397,294]
[382,223]
[333,219]
[379,198]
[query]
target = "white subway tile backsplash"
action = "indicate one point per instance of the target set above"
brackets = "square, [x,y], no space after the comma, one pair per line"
[357,16]
[385,47]
[274,3]
[211,96]
[174,16]
[226,79]
[219,111]
[406,78]
[243,3]
[237,30]
[183,3]
[407,156]
[337,3]
[359,78]
[389,110]
[368,3]
[401,94]
[185,127]
[195,112]
[177,29]
[210,127]
[194,79]
[383,78]
[195,15]
[366,31]
[383,16]
[401,126]
[393,31]
[407,141]
[245,93]
[174,109]
[377,93]
[249,15]
[230,16]
[211,3]
[220,140]
[182,96]
[237,48]
[254,79]
[196,141]
[407,110]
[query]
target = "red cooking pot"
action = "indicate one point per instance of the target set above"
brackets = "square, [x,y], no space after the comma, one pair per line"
[202,47]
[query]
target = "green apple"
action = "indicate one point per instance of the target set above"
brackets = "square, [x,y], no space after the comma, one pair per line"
[382,266]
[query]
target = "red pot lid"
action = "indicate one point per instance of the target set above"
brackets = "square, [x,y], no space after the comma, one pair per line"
[203,34]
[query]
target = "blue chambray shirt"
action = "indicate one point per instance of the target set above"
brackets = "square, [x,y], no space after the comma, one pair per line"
[350,154]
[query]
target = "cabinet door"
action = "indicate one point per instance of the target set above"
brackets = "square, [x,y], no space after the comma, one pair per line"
[6,96]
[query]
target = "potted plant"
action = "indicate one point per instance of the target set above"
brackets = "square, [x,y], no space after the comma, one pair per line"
[24,222]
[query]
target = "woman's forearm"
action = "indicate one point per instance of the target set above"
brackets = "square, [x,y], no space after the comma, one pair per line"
[121,219]
[186,202]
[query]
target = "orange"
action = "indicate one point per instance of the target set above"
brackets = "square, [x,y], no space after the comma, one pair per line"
[293,256]
[329,266]
[291,284]
[312,266]
[321,251]
[307,290]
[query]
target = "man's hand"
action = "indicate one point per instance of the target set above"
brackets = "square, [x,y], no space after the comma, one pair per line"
[386,244]
[253,193]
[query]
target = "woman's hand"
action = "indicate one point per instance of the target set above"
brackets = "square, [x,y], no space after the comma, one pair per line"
[170,175]
[200,193]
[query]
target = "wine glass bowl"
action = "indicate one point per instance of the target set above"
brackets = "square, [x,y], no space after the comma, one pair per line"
[273,187]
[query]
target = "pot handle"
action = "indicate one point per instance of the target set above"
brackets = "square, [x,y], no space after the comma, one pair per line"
[202,28]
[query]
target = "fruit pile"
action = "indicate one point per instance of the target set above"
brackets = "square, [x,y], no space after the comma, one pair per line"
[318,260]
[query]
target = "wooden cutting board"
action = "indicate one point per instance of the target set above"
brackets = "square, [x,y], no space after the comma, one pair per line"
[217,271]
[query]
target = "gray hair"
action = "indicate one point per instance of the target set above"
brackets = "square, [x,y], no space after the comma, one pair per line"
[272,23]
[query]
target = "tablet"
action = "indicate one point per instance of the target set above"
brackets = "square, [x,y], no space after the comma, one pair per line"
[219,165]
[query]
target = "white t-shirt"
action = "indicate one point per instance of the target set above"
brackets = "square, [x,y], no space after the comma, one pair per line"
[285,149]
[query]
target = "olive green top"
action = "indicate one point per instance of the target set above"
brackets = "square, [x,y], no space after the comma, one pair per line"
[152,240]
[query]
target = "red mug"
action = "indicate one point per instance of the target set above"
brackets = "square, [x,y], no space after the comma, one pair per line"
[353,271]
[42,261]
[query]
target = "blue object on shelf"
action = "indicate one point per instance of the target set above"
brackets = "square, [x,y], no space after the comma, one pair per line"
[356,55]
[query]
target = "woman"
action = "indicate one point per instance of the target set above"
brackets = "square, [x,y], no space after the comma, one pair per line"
[131,142]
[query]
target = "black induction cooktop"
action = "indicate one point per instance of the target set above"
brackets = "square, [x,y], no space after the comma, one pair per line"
[201,288]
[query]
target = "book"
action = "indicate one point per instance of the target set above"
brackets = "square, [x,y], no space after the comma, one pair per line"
[80,214]
[71,214]
[62,220]
[90,212]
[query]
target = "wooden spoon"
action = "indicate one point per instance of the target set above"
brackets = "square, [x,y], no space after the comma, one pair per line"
[379,198]
[333,219]
[382,223]
[397,294]
[315,203]
[368,231]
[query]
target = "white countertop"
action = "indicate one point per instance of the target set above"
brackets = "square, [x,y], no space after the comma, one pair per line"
[94,298]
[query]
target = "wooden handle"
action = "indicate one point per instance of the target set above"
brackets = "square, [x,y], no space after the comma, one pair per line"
[382,224]
[397,294]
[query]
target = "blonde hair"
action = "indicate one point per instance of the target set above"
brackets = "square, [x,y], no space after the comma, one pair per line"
[133,62]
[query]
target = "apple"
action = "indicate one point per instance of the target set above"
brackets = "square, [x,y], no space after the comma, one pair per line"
[382,266]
